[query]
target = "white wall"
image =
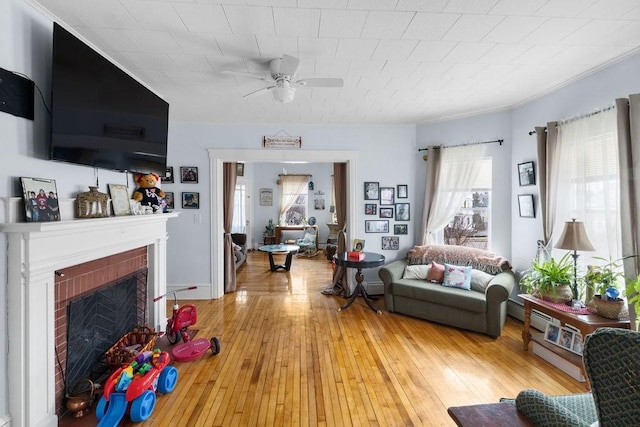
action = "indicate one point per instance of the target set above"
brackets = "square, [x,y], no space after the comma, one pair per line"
[386,154]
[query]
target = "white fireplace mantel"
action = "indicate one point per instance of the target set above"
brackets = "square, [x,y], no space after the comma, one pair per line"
[35,252]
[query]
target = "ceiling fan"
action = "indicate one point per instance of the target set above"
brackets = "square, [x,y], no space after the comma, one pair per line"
[283,83]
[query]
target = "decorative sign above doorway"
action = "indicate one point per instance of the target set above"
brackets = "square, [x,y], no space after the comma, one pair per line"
[281,141]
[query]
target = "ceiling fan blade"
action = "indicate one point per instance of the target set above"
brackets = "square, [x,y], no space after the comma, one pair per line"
[247,75]
[321,82]
[289,65]
[258,92]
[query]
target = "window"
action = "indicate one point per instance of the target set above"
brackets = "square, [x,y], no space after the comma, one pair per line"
[588,182]
[239,209]
[470,224]
[293,199]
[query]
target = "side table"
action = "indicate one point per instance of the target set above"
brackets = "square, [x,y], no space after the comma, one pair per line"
[370,260]
[585,323]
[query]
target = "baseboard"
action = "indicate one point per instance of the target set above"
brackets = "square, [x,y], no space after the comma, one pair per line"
[538,320]
[565,366]
[374,288]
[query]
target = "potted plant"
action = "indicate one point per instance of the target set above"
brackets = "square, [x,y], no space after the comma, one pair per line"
[550,279]
[604,281]
[633,293]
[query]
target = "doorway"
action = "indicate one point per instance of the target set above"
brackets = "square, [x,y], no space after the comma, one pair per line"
[218,157]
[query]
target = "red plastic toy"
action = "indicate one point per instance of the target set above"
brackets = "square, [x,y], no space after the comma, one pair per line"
[178,328]
[132,388]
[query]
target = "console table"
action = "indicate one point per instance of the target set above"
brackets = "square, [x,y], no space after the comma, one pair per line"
[585,323]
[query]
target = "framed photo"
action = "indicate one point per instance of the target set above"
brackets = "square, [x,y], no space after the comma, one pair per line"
[526,174]
[402,212]
[386,212]
[266,196]
[120,199]
[390,243]
[552,333]
[169,200]
[400,229]
[358,245]
[189,174]
[191,200]
[403,191]
[40,197]
[577,344]
[318,204]
[168,176]
[371,190]
[525,206]
[566,338]
[387,195]
[370,209]
[376,226]
[239,169]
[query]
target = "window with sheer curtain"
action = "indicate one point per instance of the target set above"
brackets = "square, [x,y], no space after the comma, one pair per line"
[588,182]
[239,209]
[293,199]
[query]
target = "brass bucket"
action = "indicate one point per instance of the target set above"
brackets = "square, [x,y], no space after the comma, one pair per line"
[80,398]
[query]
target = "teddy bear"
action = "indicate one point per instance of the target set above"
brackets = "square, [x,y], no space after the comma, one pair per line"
[147,193]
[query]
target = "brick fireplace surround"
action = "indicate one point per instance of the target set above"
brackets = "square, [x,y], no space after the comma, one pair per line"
[35,253]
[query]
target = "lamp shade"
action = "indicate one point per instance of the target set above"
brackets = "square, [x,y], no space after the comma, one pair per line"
[574,237]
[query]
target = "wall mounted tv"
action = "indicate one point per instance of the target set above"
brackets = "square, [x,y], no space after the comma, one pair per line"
[101,116]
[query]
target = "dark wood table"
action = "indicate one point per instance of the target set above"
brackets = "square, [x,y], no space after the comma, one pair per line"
[280,249]
[488,415]
[585,323]
[370,260]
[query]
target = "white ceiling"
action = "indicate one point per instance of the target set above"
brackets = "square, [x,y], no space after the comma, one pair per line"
[403,61]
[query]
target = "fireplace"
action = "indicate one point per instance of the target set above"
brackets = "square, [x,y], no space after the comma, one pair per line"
[36,252]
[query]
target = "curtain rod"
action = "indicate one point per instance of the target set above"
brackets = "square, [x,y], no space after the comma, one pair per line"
[499,141]
[294,174]
[578,117]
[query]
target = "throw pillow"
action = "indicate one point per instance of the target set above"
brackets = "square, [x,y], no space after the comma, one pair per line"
[480,280]
[436,273]
[457,277]
[309,238]
[416,272]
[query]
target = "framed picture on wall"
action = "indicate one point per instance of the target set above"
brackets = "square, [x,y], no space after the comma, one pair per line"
[525,206]
[400,229]
[266,196]
[526,174]
[402,212]
[189,174]
[239,169]
[376,226]
[191,200]
[387,195]
[371,190]
[390,243]
[169,200]
[370,209]
[386,212]
[168,176]
[403,191]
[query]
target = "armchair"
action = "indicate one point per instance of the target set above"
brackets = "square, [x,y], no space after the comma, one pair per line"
[309,243]
[611,358]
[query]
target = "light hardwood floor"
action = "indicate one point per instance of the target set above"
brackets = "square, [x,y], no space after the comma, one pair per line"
[289,358]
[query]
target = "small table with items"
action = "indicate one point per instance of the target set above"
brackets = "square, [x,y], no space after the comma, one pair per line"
[370,260]
[289,250]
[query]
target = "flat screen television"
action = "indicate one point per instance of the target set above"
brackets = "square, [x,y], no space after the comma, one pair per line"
[101,116]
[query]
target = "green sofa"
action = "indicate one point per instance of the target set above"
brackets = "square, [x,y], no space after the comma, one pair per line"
[483,308]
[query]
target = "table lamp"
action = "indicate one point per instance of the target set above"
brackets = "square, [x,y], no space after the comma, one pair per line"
[574,237]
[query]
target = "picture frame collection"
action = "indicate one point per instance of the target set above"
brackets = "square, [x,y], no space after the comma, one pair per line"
[526,177]
[187,199]
[384,202]
[568,338]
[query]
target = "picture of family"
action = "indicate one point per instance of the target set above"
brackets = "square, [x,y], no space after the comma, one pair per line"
[40,199]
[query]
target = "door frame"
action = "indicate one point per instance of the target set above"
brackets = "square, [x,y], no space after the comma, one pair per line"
[217,157]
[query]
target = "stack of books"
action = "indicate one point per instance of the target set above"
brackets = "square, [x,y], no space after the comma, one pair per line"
[355,256]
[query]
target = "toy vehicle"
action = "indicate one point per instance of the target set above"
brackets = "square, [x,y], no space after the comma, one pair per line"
[132,388]
[178,328]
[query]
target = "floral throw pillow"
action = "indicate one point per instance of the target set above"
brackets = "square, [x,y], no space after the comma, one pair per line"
[457,277]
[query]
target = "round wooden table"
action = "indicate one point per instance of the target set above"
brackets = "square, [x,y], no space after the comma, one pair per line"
[370,260]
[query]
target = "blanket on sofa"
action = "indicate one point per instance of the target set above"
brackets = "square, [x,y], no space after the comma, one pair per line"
[458,255]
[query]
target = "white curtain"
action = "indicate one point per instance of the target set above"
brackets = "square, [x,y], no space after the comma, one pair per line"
[292,186]
[589,183]
[459,171]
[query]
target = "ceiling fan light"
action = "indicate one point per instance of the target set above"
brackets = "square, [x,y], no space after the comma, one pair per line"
[284,94]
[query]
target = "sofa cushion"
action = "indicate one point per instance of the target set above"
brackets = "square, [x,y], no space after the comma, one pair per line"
[436,293]
[436,273]
[457,277]
[416,272]
[480,280]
